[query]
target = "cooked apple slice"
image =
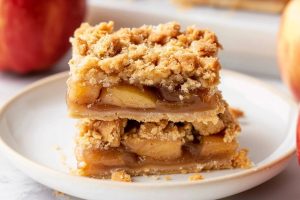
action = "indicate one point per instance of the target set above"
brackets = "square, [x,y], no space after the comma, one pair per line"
[212,145]
[128,96]
[82,93]
[157,149]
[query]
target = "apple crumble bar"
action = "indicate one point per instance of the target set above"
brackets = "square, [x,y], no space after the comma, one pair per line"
[151,148]
[152,57]
[148,102]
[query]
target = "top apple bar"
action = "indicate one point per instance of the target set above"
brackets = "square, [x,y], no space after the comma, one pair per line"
[149,73]
[160,55]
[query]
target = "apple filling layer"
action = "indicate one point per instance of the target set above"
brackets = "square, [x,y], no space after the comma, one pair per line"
[138,148]
[142,103]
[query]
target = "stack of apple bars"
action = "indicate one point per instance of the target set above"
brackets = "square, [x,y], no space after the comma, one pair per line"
[148,102]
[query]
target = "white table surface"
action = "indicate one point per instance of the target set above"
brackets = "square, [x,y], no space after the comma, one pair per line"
[14,185]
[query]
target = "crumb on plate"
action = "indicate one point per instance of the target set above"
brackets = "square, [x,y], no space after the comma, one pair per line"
[168,178]
[241,160]
[237,113]
[121,176]
[196,177]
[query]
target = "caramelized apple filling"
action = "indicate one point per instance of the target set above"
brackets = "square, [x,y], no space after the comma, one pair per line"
[143,103]
[144,97]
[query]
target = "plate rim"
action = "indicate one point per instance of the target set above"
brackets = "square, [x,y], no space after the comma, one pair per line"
[13,156]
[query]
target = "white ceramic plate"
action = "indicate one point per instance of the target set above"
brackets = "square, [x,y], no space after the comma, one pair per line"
[38,137]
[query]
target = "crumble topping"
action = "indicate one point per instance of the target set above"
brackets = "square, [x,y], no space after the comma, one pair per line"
[149,55]
[233,129]
[165,130]
[101,134]
[208,128]
[105,134]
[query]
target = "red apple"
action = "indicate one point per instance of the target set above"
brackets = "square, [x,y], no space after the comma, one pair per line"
[35,34]
[289,53]
[289,47]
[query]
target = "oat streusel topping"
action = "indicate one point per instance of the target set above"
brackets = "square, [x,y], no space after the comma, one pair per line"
[160,55]
[165,130]
[101,134]
[106,134]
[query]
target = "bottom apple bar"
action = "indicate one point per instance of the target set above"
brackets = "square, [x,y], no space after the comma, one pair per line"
[105,147]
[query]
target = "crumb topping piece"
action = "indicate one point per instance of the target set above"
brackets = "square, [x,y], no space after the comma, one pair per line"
[241,160]
[233,128]
[121,176]
[160,55]
[209,128]
[165,130]
[101,134]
